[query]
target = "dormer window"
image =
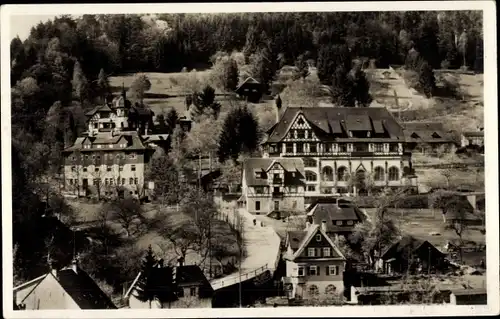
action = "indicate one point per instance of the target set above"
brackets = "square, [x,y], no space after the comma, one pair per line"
[415,135]
[436,135]
[258,174]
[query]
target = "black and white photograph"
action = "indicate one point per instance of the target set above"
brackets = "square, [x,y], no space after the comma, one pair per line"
[259,158]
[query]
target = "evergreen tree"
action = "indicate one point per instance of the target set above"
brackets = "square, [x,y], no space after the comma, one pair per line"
[103,87]
[426,79]
[231,75]
[239,134]
[302,66]
[79,83]
[171,120]
[205,101]
[139,86]
[278,102]
[146,287]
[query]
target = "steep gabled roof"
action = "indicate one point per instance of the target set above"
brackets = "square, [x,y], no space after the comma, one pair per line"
[99,108]
[405,246]
[250,165]
[248,80]
[338,119]
[307,237]
[427,132]
[83,290]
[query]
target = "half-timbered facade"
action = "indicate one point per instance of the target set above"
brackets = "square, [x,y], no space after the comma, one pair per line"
[344,149]
[273,185]
[314,264]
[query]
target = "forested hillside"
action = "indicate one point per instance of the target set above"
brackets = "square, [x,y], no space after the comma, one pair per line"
[62,68]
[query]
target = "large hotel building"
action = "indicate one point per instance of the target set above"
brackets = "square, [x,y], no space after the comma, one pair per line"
[343,149]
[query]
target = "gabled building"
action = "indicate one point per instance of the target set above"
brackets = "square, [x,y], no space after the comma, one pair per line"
[189,286]
[411,254]
[338,217]
[68,288]
[250,89]
[106,163]
[428,136]
[344,149]
[314,264]
[273,186]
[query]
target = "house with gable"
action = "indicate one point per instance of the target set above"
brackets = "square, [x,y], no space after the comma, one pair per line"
[273,186]
[428,136]
[314,264]
[345,150]
[250,89]
[111,157]
[340,216]
[67,288]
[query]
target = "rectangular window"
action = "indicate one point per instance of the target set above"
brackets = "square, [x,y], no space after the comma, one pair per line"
[313,270]
[96,169]
[192,291]
[132,156]
[258,174]
[86,157]
[131,181]
[70,181]
[132,168]
[393,147]
[328,148]
[301,133]
[361,147]
[111,181]
[313,148]
[338,223]
[311,188]
[73,168]
[293,189]
[326,252]
[123,181]
[272,148]
[301,272]
[379,148]
[257,205]
[98,145]
[108,168]
[311,252]
[342,147]
[259,190]
[300,147]
[106,181]
[332,270]
[350,222]
[318,237]
[98,157]
[136,181]
[289,147]
[84,169]
[121,168]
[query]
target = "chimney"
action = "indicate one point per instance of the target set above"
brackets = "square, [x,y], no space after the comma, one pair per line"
[323,226]
[278,108]
[308,225]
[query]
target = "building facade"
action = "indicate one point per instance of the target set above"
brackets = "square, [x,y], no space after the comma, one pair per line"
[472,138]
[314,265]
[428,137]
[344,149]
[273,185]
[111,157]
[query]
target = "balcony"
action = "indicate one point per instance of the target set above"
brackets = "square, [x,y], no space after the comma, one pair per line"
[294,280]
[277,194]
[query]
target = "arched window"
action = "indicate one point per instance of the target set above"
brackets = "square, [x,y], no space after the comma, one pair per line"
[327,173]
[309,162]
[342,174]
[393,173]
[330,289]
[379,174]
[311,176]
[313,290]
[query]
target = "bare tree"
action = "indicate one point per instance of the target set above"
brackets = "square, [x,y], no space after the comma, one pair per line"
[458,222]
[125,211]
